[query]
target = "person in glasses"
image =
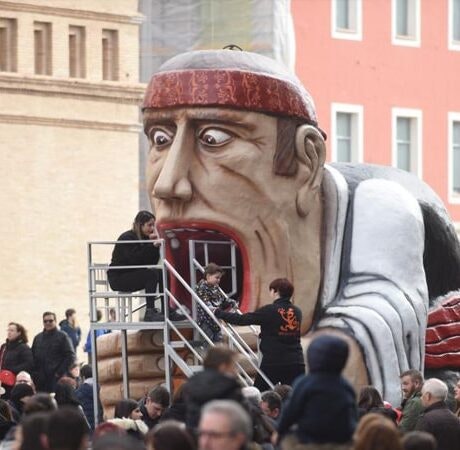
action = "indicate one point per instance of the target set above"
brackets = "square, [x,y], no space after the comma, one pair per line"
[224,425]
[53,354]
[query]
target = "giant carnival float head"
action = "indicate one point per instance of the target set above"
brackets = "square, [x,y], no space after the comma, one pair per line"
[236,154]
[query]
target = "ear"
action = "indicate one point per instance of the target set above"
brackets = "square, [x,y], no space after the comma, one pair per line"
[311,154]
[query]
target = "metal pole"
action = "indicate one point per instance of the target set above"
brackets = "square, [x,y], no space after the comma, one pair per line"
[95,376]
[93,318]
[124,363]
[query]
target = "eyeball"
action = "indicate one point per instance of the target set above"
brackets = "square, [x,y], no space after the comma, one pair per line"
[160,138]
[214,137]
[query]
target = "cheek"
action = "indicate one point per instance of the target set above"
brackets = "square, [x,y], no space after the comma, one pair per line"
[153,168]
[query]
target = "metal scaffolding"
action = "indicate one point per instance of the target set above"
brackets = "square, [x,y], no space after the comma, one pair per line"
[127,318]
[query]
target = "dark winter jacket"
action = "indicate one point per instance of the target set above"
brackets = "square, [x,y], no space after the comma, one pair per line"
[73,333]
[322,404]
[176,411]
[206,386]
[279,330]
[213,297]
[5,426]
[134,254]
[145,416]
[84,395]
[443,424]
[53,355]
[16,356]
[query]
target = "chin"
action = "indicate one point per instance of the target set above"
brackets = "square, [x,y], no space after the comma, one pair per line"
[177,236]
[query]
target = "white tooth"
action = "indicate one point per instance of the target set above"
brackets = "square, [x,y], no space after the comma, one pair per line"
[170,234]
[175,243]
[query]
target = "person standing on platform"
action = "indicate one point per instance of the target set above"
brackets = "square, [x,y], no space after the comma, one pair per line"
[282,357]
[53,354]
[209,291]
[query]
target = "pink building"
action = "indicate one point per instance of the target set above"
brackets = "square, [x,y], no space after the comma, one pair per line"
[385,76]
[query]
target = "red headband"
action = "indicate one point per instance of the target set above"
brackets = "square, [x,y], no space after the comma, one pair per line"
[226,87]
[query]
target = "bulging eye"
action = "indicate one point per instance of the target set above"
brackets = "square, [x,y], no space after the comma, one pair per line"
[160,138]
[214,137]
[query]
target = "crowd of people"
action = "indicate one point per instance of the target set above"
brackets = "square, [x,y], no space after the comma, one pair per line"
[212,411]
[47,399]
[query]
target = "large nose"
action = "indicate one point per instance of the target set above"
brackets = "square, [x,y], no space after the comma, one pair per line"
[173,182]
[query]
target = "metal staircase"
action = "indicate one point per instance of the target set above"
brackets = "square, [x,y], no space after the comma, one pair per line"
[127,307]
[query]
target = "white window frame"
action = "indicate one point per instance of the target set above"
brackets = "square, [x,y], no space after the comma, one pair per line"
[451,118]
[416,137]
[406,41]
[451,43]
[357,130]
[350,34]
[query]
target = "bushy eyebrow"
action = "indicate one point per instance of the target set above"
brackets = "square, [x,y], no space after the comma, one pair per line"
[224,117]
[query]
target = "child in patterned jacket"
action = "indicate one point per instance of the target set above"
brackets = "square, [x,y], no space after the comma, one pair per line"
[208,290]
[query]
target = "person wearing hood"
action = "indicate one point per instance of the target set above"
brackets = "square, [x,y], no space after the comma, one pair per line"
[216,382]
[322,404]
[15,355]
[282,357]
[53,354]
[70,327]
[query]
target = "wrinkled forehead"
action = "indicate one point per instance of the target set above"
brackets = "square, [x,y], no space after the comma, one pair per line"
[248,119]
[239,80]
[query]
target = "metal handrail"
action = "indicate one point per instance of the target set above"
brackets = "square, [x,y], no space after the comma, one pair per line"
[242,375]
[238,311]
[125,321]
[203,305]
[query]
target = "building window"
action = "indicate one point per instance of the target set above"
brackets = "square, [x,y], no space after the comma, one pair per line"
[110,55]
[406,22]
[346,19]
[77,52]
[407,140]
[42,48]
[8,45]
[454,158]
[347,130]
[454,24]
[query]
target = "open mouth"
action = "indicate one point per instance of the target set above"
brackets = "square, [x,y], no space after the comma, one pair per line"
[190,244]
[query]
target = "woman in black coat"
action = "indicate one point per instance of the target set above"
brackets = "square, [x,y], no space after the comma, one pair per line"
[15,354]
[137,254]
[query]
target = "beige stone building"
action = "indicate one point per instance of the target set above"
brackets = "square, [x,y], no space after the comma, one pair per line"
[69,147]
